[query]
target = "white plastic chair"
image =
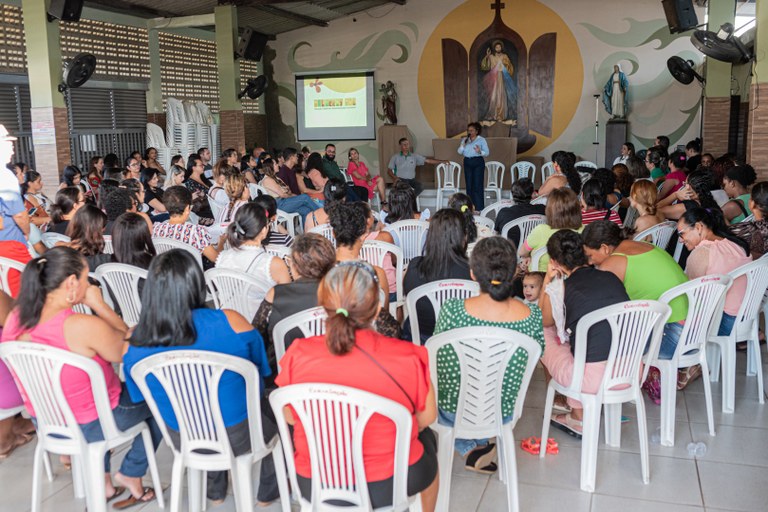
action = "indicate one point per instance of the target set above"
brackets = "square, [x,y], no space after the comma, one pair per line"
[723,349]
[437,292]
[108,248]
[334,418]
[216,207]
[410,236]
[494,172]
[495,208]
[524,170]
[123,282]
[525,224]
[38,368]
[50,239]
[547,170]
[536,256]
[290,220]
[163,244]
[447,178]
[586,163]
[280,251]
[374,252]
[7,265]
[705,304]
[190,380]
[255,188]
[749,218]
[539,200]
[484,354]
[232,289]
[660,234]
[326,230]
[633,325]
[310,322]
[631,217]
[484,221]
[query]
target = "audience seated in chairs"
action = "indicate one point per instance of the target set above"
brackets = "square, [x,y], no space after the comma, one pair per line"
[68,201]
[277,236]
[87,235]
[563,211]
[756,232]
[522,192]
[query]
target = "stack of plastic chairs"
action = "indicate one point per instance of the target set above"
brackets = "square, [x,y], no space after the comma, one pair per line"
[181,133]
[156,139]
[207,119]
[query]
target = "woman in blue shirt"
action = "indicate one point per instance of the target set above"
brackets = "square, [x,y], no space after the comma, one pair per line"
[474,149]
[174,317]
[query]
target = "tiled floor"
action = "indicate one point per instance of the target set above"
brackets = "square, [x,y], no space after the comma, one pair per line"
[733,475]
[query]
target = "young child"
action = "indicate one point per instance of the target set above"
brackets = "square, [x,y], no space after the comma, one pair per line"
[532,282]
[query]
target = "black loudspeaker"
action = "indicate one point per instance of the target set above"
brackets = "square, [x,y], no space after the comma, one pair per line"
[680,15]
[65,10]
[251,45]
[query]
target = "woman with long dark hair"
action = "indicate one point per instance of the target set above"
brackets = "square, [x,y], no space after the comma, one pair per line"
[696,192]
[150,159]
[94,174]
[132,241]
[755,233]
[70,177]
[563,211]
[153,193]
[87,233]
[736,184]
[43,314]
[351,353]
[402,204]
[593,205]
[181,321]
[31,191]
[68,201]
[198,185]
[676,176]
[334,192]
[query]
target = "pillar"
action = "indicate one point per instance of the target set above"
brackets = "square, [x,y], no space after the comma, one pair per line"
[232,131]
[155,110]
[757,131]
[717,101]
[50,129]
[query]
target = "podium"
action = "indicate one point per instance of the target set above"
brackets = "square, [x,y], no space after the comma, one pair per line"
[616,133]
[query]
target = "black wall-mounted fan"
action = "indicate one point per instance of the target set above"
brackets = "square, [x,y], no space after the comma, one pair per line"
[683,71]
[77,71]
[722,45]
[254,88]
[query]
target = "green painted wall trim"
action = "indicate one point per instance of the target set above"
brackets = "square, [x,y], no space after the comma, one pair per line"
[761,42]
[43,55]
[228,67]
[718,73]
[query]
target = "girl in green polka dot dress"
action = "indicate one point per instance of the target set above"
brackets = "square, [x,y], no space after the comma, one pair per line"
[493,265]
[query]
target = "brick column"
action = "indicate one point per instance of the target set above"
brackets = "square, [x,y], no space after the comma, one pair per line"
[717,112]
[757,132]
[232,130]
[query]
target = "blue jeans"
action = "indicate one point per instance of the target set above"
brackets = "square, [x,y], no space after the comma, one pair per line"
[127,414]
[301,204]
[463,446]
[474,175]
[673,330]
[415,185]
[726,325]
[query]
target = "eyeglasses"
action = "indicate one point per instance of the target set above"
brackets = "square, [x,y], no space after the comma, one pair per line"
[134,164]
[682,232]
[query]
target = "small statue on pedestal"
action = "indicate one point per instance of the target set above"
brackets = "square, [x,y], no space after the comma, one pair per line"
[616,94]
[389,102]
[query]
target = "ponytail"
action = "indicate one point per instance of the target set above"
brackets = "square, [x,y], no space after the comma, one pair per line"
[65,202]
[463,204]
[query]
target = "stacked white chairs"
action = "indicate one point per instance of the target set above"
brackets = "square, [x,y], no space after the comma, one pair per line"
[722,349]
[7,265]
[634,325]
[290,220]
[494,178]
[232,289]
[206,119]
[705,305]
[190,380]
[122,281]
[523,170]
[536,256]
[156,139]
[660,234]
[448,179]
[50,239]
[437,292]
[38,368]
[410,236]
[334,418]
[525,224]
[325,230]
[108,247]
[374,252]
[180,132]
[484,354]
[484,221]
[163,244]
[310,323]
[492,211]
[202,131]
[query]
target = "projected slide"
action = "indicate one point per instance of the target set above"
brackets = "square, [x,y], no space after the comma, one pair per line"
[335,107]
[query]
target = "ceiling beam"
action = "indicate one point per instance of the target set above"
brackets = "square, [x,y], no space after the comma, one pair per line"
[301,18]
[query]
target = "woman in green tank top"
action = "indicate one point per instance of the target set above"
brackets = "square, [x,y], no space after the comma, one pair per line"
[736,183]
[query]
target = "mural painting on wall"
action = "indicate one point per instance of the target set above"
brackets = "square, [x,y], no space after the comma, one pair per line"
[510,75]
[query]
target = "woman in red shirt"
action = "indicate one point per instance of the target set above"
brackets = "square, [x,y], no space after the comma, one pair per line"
[352,354]
[362,177]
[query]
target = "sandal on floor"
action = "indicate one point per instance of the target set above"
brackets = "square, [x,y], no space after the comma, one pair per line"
[532,445]
[562,407]
[688,375]
[19,440]
[480,460]
[567,424]
[132,501]
[119,491]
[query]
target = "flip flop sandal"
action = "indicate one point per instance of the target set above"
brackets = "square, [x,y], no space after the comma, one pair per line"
[119,491]
[18,441]
[531,445]
[132,501]
[552,447]
[567,424]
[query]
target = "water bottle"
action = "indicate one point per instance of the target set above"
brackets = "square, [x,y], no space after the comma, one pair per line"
[656,436]
[697,449]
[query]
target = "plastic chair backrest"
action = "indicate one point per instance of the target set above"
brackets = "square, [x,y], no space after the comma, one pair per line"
[326,230]
[660,234]
[6,265]
[233,289]
[163,244]
[50,239]
[495,174]
[536,256]
[632,324]
[280,251]
[190,379]
[254,189]
[524,170]
[539,200]
[496,207]
[123,282]
[409,235]
[310,322]
[586,163]
[289,220]
[484,354]
[37,369]
[631,217]
[437,292]
[484,221]
[334,418]
[216,208]
[547,170]
[108,248]
[525,224]
[448,175]
[374,252]
[756,274]
[705,305]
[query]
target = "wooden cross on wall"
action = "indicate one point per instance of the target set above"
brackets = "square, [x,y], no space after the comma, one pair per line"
[497,6]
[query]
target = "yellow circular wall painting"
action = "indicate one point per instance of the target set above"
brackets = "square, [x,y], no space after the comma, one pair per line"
[511,64]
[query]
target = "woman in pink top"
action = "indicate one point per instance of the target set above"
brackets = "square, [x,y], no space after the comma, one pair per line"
[50,286]
[676,176]
[362,177]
